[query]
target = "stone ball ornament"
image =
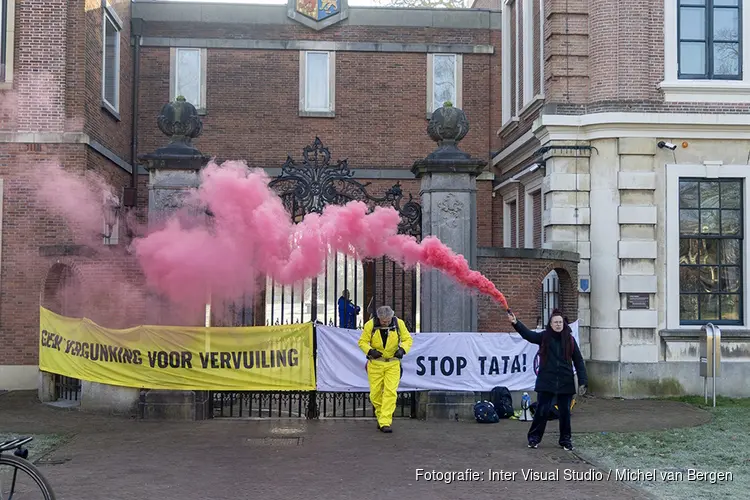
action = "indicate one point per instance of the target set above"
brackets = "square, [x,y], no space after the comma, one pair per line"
[448,124]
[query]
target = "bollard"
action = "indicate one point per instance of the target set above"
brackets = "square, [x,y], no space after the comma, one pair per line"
[710,358]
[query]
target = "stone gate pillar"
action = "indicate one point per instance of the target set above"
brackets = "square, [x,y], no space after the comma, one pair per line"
[449,212]
[173,170]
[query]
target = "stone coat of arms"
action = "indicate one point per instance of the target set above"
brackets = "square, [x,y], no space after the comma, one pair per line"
[318,14]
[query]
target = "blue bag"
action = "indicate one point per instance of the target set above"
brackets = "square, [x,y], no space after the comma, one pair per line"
[484,413]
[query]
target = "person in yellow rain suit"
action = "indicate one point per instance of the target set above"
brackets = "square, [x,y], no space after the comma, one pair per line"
[385,340]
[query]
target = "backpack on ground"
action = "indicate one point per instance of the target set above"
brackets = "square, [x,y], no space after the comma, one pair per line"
[502,401]
[484,413]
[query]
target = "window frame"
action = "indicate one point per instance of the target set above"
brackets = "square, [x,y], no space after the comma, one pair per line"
[710,8]
[304,110]
[720,236]
[506,75]
[201,106]
[109,15]
[706,172]
[701,90]
[7,41]
[458,63]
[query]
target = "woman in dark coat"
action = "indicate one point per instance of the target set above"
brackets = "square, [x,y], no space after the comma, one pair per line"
[558,352]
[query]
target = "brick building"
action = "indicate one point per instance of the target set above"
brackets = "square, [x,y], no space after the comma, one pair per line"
[630,120]
[267,82]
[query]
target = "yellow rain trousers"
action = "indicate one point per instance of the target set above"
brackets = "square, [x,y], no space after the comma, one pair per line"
[384,377]
[384,373]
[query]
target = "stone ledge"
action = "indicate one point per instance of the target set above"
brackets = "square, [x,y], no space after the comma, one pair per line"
[694,335]
[528,253]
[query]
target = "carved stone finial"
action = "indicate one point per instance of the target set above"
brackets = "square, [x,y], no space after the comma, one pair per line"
[448,125]
[180,121]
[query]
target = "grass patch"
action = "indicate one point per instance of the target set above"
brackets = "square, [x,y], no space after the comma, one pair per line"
[720,446]
[41,445]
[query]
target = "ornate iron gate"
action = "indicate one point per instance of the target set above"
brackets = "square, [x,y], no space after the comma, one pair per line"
[308,188]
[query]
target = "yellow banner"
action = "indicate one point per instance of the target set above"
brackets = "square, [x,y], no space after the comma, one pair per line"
[266,358]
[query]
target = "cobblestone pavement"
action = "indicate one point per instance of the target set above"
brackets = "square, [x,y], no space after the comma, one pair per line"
[117,458]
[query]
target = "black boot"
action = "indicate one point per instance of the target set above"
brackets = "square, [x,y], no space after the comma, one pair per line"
[386,429]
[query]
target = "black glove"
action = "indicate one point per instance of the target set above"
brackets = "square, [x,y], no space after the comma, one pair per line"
[399,353]
[373,354]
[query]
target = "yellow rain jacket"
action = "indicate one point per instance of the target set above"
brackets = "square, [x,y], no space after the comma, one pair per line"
[371,338]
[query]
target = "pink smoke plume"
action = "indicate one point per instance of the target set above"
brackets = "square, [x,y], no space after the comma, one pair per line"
[251,234]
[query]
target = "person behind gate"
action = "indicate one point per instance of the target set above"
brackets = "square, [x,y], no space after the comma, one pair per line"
[558,351]
[384,349]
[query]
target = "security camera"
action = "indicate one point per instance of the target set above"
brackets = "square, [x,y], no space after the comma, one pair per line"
[667,145]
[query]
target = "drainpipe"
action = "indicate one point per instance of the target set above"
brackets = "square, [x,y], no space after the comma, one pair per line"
[136,30]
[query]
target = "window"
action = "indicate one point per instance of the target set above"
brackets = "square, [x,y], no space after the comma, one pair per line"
[536,224]
[443,81]
[510,224]
[111,60]
[532,225]
[317,83]
[188,75]
[704,51]
[528,50]
[711,241]
[111,220]
[506,63]
[709,34]
[7,30]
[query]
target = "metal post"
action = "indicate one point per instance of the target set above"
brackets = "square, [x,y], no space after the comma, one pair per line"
[713,364]
[705,390]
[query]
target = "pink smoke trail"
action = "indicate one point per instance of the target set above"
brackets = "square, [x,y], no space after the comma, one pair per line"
[251,234]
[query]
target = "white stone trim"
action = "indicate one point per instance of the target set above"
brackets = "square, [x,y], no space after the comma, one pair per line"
[513,147]
[330,112]
[637,249]
[638,318]
[650,125]
[528,51]
[636,180]
[636,214]
[638,283]
[507,113]
[9,45]
[458,73]
[672,297]
[202,55]
[531,187]
[702,90]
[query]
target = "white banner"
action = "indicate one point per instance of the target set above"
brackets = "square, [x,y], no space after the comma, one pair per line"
[437,361]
